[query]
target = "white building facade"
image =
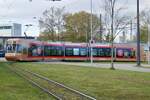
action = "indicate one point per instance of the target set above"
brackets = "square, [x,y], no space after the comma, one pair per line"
[10,29]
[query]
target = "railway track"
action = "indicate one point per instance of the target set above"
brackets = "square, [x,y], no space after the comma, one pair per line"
[53,88]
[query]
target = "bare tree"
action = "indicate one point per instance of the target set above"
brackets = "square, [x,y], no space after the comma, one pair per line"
[145,16]
[144,25]
[52,23]
[115,22]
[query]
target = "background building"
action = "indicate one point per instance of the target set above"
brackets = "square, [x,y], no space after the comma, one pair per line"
[10,29]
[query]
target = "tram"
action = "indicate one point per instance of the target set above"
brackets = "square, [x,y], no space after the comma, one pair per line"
[32,50]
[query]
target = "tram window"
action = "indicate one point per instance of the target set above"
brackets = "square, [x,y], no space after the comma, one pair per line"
[47,51]
[126,53]
[53,51]
[120,53]
[76,51]
[132,53]
[69,52]
[107,52]
[101,52]
[59,51]
[95,52]
[14,47]
[11,48]
[83,51]
[35,50]
[19,48]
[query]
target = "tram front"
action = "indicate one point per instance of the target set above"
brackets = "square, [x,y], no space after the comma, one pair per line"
[13,50]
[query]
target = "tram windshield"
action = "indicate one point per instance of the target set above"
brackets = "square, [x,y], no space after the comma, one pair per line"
[13,48]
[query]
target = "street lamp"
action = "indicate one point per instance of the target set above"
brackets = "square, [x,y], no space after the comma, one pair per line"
[138,36]
[91,40]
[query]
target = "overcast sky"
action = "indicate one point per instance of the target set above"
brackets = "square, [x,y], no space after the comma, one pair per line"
[23,11]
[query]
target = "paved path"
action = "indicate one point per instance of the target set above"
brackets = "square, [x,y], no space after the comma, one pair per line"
[121,66]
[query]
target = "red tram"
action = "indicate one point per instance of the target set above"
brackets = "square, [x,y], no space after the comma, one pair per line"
[31,50]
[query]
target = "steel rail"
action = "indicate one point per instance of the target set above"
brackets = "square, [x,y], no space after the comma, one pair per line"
[36,84]
[53,82]
[68,88]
